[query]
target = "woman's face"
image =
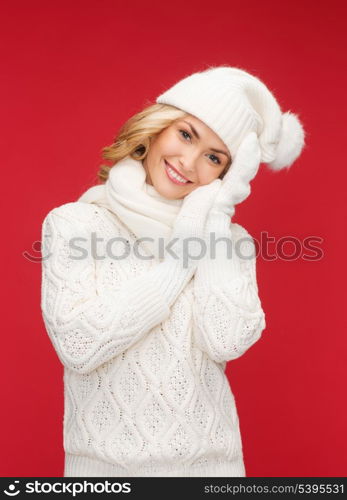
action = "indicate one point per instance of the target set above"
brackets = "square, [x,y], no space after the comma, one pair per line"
[184,156]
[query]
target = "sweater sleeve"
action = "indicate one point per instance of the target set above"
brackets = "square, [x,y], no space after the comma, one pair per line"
[87,325]
[228,316]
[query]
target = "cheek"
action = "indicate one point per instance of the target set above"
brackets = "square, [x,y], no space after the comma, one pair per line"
[168,144]
[209,174]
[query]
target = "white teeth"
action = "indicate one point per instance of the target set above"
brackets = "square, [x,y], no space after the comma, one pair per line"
[176,176]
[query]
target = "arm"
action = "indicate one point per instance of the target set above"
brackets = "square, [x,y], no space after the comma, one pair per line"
[228,317]
[88,326]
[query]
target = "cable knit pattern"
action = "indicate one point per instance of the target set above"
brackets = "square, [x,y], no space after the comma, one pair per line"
[145,389]
[227,310]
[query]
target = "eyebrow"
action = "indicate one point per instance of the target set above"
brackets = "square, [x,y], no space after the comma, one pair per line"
[198,137]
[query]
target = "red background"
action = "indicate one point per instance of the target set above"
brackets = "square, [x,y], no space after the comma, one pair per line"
[72,73]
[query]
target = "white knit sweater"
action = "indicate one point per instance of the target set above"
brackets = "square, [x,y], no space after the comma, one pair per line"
[146,392]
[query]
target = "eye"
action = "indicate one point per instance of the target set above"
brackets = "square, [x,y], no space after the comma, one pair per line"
[218,160]
[185,132]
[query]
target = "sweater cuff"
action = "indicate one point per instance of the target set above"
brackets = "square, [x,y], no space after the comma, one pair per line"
[220,264]
[148,305]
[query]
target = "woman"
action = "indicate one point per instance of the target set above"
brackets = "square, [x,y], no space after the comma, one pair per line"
[142,309]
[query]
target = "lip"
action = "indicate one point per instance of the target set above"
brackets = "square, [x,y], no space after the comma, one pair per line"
[167,164]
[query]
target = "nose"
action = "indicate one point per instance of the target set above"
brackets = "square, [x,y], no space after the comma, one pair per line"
[187,165]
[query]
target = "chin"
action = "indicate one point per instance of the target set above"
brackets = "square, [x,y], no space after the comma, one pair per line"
[168,193]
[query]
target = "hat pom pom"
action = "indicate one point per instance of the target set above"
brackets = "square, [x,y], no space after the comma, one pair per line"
[291,142]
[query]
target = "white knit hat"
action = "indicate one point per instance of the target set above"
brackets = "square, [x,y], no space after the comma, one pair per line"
[233,103]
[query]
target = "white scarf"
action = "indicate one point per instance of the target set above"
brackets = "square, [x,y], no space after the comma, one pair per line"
[139,205]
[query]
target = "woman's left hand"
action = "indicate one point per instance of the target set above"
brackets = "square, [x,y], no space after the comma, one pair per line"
[235,185]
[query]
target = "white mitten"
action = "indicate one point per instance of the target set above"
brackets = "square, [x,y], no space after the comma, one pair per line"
[186,244]
[190,222]
[236,182]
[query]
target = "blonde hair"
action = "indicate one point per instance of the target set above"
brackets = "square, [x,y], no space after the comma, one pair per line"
[135,135]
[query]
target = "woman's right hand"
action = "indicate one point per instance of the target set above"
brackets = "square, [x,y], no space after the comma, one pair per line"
[190,222]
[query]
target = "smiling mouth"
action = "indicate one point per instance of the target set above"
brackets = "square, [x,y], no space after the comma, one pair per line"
[174,176]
